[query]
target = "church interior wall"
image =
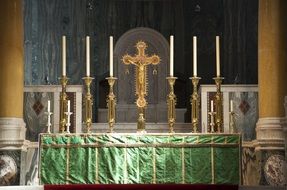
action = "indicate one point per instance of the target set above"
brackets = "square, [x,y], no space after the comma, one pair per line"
[236,21]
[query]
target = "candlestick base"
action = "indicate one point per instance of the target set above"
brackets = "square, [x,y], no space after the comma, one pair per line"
[111,104]
[218,104]
[171,102]
[141,122]
[88,102]
[63,103]
[194,101]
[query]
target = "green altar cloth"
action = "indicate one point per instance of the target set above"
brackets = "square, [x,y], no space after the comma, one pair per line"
[139,158]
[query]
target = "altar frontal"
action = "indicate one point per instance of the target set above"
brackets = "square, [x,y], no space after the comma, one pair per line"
[139,159]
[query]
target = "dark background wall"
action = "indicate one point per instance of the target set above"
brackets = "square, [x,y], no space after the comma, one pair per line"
[235,21]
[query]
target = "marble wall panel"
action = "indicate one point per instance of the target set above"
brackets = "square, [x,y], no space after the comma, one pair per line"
[29,165]
[35,106]
[245,106]
[250,168]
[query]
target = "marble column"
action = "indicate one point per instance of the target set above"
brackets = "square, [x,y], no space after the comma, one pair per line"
[272,60]
[12,126]
[272,75]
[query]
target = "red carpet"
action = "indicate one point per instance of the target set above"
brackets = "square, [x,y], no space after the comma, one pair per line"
[141,187]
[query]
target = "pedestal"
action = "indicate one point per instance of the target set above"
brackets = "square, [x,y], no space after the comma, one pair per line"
[12,146]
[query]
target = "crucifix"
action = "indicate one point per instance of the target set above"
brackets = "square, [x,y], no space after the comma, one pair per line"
[141,61]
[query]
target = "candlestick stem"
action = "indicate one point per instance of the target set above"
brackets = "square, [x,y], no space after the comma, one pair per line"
[218,104]
[194,101]
[63,103]
[111,104]
[171,102]
[88,102]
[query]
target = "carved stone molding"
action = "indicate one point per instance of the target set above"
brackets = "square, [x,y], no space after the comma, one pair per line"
[270,134]
[12,132]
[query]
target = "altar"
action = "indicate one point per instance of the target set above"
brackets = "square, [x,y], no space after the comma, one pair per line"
[212,157]
[133,158]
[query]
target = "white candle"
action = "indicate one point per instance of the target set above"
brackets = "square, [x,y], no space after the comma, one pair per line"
[194,56]
[64,55]
[88,56]
[231,105]
[211,105]
[217,57]
[69,108]
[171,56]
[68,116]
[111,56]
[48,109]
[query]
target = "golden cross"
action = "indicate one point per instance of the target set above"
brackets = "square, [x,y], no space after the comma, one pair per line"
[141,60]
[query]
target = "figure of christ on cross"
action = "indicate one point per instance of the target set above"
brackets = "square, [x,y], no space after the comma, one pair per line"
[141,61]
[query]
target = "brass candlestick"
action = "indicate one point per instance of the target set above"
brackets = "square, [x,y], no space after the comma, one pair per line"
[232,128]
[88,103]
[111,104]
[63,103]
[194,101]
[218,103]
[171,102]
